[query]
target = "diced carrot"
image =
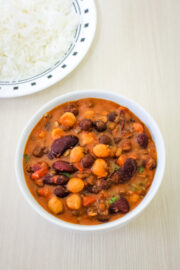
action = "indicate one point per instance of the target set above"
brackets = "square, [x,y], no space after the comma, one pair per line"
[44,192]
[38,174]
[121,160]
[42,134]
[87,200]
[79,166]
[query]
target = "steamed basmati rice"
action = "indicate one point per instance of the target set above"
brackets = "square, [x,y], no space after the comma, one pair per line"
[34,35]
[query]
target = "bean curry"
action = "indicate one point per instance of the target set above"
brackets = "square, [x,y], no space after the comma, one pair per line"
[89,161]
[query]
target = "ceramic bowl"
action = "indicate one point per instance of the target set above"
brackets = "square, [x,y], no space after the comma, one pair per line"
[124,101]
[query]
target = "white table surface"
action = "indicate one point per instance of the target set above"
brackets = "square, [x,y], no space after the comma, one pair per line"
[135,53]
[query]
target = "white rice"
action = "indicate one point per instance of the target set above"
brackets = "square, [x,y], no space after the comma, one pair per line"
[34,35]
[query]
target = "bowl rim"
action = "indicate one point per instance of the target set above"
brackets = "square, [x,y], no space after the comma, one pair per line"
[75,95]
[55,79]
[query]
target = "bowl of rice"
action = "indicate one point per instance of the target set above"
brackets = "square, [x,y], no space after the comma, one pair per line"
[42,41]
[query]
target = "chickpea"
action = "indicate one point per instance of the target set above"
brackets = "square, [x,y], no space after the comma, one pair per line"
[134,198]
[75,185]
[76,154]
[55,205]
[101,150]
[68,119]
[89,114]
[100,167]
[74,201]
[86,138]
[57,133]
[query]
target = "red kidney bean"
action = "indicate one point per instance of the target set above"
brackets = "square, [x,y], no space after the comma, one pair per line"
[100,125]
[130,167]
[104,139]
[59,146]
[38,151]
[63,166]
[87,161]
[104,184]
[125,172]
[118,177]
[61,192]
[119,206]
[72,108]
[47,179]
[142,140]
[55,180]
[60,179]
[86,124]
[117,139]
[36,167]
[112,116]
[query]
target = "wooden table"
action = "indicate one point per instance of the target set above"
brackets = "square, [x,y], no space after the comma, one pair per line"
[135,53]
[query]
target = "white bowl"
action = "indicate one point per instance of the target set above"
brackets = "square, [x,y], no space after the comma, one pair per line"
[77,51]
[137,110]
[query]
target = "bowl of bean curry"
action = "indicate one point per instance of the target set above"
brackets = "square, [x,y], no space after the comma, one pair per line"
[89,161]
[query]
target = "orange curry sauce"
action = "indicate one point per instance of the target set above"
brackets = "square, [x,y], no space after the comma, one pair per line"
[89,161]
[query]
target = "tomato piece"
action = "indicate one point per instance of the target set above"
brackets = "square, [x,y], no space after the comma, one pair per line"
[39,174]
[87,200]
